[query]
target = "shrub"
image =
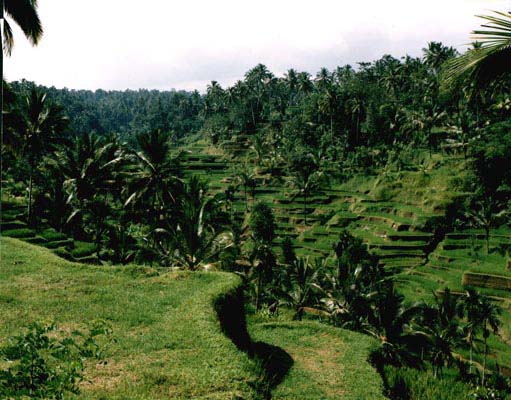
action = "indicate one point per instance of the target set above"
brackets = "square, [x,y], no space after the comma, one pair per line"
[412,384]
[42,364]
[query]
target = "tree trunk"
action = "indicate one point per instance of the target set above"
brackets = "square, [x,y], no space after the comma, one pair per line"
[98,241]
[1,95]
[246,199]
[487,234]
[259,288]
[471,349]
[29,211]
[484,360]
[305,207]
[332,127]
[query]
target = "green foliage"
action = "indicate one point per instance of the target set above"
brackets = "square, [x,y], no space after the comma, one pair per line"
[262,223]
[412,384]
[41,365]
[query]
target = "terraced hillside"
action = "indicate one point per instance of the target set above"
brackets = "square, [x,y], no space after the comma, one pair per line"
[13,225]
[168,336]
[401,226]
[398,215]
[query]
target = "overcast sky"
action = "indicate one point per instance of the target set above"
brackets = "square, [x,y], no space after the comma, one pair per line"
[162,44]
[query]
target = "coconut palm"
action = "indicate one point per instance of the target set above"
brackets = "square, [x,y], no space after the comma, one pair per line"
[489,61]
[472,306]
[42,126]
[199,233]
[89,167]
[24,14]
[296,290]
[490,321]
[153,176]
[246,178]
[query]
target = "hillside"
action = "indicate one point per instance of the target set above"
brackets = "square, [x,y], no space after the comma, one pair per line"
[402,216]
[167,339]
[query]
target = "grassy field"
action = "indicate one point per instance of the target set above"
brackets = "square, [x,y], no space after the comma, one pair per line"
[167,340]
[329,363]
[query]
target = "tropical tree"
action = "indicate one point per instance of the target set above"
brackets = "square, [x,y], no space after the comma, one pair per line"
[305,176]
[471,303]
[483,212]
[440,324]
[489,60]
[44,124]
[245,178]
[490,321]
[24,14]
[296,288]
[262,226]
[153,182]
[89,166]
[199,232]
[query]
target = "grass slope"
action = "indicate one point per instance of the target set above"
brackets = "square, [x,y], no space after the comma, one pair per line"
[168,341]
[328,363]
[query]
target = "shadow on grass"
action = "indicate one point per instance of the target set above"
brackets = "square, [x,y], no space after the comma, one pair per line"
[273,363]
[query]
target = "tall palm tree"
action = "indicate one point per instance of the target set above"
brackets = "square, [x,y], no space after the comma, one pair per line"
[304,185]
[296,290]
[153,176]
[472,306]
[490,318]
[89,167]
[490,59]
[24,14]
[246,178]
[199,234]
[43,125]
[436,54]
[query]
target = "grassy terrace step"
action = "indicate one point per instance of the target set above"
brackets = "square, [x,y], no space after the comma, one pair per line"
[167,338]
[12,224]
[327,363]
[19,233]
[59,243]
[386,254]
[397,223]
[398,246]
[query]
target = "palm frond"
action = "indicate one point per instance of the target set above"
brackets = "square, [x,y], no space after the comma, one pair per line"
[489,62]
[24,13]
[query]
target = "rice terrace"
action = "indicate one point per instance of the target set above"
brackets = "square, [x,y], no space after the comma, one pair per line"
[335,225]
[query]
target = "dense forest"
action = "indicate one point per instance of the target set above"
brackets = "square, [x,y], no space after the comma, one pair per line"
[190,181]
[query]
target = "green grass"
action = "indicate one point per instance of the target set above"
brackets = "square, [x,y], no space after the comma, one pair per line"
[328,363]
[168,342]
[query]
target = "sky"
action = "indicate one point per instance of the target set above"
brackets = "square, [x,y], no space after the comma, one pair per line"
[164,44]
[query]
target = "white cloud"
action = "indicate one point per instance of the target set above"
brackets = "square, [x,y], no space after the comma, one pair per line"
[116,44]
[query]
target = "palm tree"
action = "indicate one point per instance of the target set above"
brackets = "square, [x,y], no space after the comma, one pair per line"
[472,306]
[484,212]
[89,167]
[489,61]
[245,178]
[24,14]
[153,176]
[304,184]
[436,54]
[442,329]
[296,290]
[490,319]
[43,124]
[199,233]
